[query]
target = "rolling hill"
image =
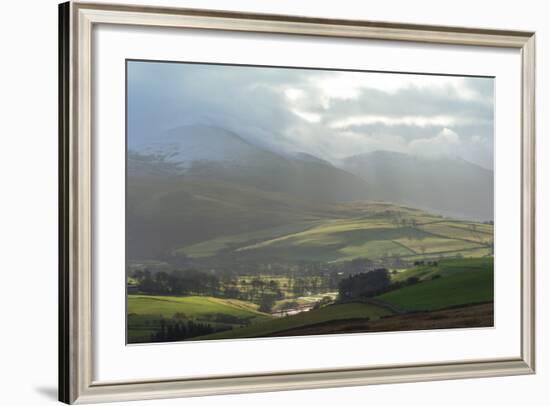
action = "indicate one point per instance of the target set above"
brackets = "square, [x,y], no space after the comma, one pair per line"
[201,190]
[444,185]
[227,188]
[445,267]
[215,154]
[460,285]
[463,286]
[144,312]
[328,313]
[383,230]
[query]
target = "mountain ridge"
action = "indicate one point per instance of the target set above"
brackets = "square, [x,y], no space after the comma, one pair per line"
[449,186]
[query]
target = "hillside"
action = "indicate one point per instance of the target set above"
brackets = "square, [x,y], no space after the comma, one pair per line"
[377,230]
[447,294]
[145,312]
[329,313]
[461,284]
[458,288]
[199,191]
[444,185]
[215,154]
[459,317]
[445,267]
[224,189]
[182,146]
[164,214]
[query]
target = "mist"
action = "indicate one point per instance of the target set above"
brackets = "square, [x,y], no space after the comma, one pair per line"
[329,114]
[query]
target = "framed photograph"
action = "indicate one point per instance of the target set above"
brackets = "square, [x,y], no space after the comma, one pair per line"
[264,202]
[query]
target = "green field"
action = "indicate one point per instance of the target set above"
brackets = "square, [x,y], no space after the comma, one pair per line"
[478,233]
[328,313]
[454,288]
[378,230]
[431,245]
[445,267]
[296,263]
[145,312]
[373,249]
[167,306]
[458,282]
[214,246]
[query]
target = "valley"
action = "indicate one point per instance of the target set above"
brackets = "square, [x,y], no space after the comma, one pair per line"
[288,277]
[226,239]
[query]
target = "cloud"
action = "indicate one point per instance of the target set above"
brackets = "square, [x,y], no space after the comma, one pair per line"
[326,113]
[445,142]
[418,121]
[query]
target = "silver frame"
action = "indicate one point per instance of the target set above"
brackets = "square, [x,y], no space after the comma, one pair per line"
[76,384]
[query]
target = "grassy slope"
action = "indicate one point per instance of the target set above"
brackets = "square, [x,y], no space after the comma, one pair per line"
[464,287]
[271,214]
[334,312]
[214,246]
[144,312]
[361,229]
[482,233]
[373,238]
[161,208]
[462,281]
[445,267]
[322,222]
[463,317]
[191,306]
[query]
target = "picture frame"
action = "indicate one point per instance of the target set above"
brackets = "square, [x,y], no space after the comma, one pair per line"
[76,215]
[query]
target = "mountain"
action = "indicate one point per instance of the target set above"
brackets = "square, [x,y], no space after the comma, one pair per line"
[197,182]
[445,185]
[216,154]
[185,145]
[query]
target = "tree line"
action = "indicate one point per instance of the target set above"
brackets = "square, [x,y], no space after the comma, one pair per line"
[187,282]
[369,284]
[178,331]
[193,282]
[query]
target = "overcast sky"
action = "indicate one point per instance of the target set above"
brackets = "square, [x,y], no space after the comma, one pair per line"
[330,114]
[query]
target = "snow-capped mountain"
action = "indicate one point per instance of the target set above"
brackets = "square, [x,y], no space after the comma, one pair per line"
[445,185]
[182,146]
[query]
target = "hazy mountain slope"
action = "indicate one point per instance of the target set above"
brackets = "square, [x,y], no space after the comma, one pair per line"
[185,145]
[213,153]
[196,183]
[448,186]
[167,213]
